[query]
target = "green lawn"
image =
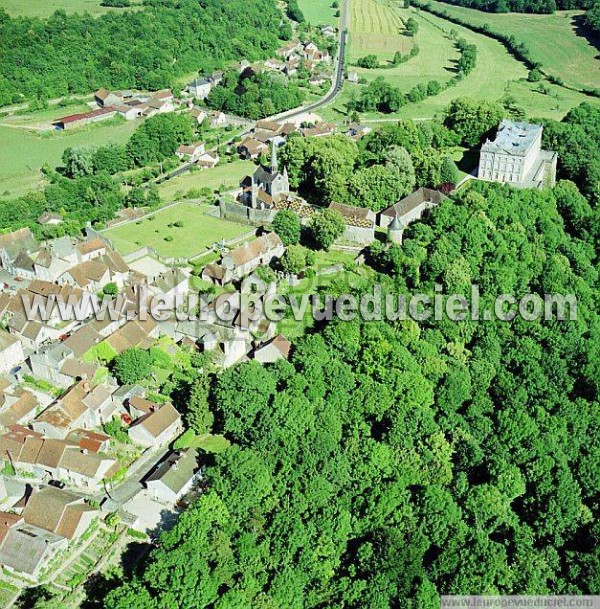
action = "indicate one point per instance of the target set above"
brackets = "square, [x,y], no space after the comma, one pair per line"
[318,12]
[45,8]
[228,174]
[25,151]
[198,233]
[207,442]
[552,39]
[497,74]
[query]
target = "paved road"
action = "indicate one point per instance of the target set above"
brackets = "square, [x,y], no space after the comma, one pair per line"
[336,87]
[338,80]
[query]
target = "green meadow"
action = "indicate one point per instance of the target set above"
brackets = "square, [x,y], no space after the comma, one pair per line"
[45,8]
[198,233]
[552,39]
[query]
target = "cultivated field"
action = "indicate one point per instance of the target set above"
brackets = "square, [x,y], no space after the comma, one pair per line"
[199,231]
[318,12]
[376,28]
[45,8]
[552,39]
[435,60]
[224,175]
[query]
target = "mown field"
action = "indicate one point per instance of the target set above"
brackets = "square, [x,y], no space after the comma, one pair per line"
[25,151]
[496,75]
[199,231]
[376,27]
[228,176]
[318,12]
[552,39]
[45,8]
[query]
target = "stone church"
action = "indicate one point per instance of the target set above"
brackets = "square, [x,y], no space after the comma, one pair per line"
[268,184]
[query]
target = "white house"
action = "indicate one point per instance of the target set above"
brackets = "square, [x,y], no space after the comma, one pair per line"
[200,88]
[191,152]
[11,352]
[157,428]
[174,477]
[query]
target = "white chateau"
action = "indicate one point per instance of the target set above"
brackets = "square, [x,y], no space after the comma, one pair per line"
[516,157]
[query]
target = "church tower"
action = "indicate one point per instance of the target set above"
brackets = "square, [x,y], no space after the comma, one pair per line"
[274,164]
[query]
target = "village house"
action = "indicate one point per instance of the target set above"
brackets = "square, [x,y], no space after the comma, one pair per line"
[275,349]
[15,243]
[49,218]
[90,441]
[328,31]
[11,352]
[252,148]
[321,129]
[60,512]
[316,81]
[352,77]
[48,267]
[208,160]
[199,115]
[287,50]
[134,333]
[190,152]
[84,469]
[199,88]
[130,112]
[25,548]
[245,259]
[90,249]
[82,406]
[217,119]
[516,157]
[174,477]
[19,408]
[409,209]
[156,428]
[107,98]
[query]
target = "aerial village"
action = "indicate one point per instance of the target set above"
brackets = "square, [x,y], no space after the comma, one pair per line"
[80,449]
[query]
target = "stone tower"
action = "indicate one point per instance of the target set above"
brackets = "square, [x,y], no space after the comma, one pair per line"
[395,231]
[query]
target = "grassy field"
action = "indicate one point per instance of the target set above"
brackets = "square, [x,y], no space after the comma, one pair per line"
[229,175]
[45,8]
[496,75]
[199,231]
[25,152]
[552,39]
[376,27]
[318,12]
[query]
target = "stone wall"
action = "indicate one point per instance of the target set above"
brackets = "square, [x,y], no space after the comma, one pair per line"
[358,235]
[237,212]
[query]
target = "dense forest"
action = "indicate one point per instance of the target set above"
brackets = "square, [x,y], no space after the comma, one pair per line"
[390,462]
[592,18]
[522,6]
[255,95]
[145,49]
[577,141]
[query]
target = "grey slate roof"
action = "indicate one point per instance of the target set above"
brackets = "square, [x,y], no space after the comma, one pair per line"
[176,470]
[25,548]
